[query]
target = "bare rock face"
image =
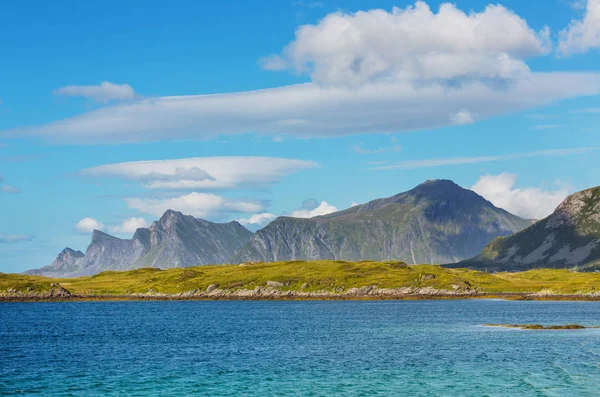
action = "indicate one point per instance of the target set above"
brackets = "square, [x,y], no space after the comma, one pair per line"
[436,222]
[175,240]
[568,238]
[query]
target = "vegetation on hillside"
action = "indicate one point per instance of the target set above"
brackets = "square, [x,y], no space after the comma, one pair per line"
[334,276]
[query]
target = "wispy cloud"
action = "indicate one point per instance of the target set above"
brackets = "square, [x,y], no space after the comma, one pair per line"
[203,205]
[203,172]
[588,110]
[543,127]
[6,188]
[9,189]
[103,93]
[394,147]
[14,238]
[413,164]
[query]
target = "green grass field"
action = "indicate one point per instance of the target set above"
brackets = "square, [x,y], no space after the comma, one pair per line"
[334,276]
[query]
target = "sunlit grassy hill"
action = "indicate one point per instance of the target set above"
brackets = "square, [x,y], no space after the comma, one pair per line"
[332,276]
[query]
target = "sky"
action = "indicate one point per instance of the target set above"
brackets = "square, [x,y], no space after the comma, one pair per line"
[112,112]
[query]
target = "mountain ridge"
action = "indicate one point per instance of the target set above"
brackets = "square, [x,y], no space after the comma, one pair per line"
[435,222]
[567,238]
[175,240]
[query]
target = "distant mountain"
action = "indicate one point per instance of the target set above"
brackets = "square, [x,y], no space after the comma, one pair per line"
[436,222]
[176,240]
[569,238]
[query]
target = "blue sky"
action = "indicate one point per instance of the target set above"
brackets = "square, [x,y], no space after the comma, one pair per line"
[510,109]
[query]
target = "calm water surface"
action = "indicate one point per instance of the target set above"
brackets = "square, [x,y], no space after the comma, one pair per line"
[391,348]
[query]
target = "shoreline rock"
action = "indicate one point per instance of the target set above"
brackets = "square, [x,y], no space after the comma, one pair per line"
[270,292]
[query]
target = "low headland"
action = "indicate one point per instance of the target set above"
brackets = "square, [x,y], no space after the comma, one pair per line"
[305,280]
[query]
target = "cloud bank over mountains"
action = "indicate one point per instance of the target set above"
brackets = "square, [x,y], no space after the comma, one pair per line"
[529,203]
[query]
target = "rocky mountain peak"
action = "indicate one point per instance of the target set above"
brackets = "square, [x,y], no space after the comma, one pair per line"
[568,238]
[583,206]
[69,253]
[442,189]
[99,236]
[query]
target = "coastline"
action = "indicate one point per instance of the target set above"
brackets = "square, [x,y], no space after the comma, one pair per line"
[373,294]
[300,280]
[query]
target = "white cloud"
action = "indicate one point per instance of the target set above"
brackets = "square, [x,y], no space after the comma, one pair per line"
[201,205]
[531,203]
[416,44]
[413,164]
[258,219]
[88,225]
[273,62]
[311,208]
[373,72]
[14,238]
[464,117]
[103,93]
[203,172]
[583,34]
[129,225]
[311,110]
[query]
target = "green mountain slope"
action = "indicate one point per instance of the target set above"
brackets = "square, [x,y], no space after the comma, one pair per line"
[569,238]
[436,222]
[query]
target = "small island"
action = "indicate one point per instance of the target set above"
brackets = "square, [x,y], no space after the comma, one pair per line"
[537,327]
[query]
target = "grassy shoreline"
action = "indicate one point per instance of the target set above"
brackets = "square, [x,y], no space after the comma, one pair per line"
[305,280]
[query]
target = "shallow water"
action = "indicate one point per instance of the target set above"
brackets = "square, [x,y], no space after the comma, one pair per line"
[252,348]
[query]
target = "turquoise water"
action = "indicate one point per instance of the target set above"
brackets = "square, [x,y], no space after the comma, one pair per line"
[391,348]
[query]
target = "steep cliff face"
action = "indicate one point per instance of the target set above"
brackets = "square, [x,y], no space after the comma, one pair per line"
[436,222]
[176,240]
[568,238]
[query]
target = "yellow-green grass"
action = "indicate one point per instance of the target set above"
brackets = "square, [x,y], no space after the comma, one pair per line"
[311,276]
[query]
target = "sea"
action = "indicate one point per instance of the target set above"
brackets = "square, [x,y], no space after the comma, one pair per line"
[298,348]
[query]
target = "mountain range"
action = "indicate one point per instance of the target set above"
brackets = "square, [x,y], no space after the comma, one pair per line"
[436,222]
[175,240]
[568,238]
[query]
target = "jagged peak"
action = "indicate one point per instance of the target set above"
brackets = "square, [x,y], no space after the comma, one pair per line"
[585,201]
[99,235]
[71,251]
[439,185]
[172,214]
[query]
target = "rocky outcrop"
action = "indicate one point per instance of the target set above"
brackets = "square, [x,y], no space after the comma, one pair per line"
[260,292]
[437,222]
[568,238]
[175,240]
